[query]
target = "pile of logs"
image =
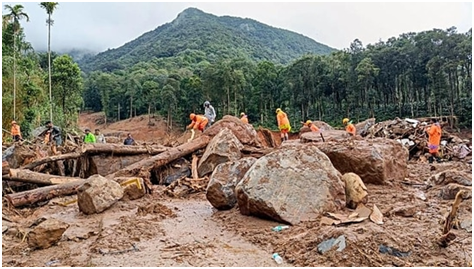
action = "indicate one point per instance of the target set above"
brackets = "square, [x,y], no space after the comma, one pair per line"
[412,134]
[81,161]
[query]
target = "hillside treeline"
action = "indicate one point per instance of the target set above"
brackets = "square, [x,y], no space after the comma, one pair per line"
[413,75]
[25,81]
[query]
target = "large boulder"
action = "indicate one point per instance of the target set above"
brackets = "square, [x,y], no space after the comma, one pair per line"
[46,234]
[97,194]
[292,184]
[451,176]
[322,126]
[363,127]
[356,192]
[245,133]
[18,155]
[224,147]
[220,191]
[334,135]
[267,138]
[106,164]
[377,161]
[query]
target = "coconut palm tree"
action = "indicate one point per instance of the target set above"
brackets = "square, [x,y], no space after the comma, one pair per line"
[49,7]
[14,16]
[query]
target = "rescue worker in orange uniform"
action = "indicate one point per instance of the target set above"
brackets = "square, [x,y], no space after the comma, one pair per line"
[311,125]
[244,118]
[350,128]
[199,122]
[283,124]
[434,132]
[16,133]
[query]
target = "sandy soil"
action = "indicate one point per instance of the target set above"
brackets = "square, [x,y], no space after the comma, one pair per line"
[160,231]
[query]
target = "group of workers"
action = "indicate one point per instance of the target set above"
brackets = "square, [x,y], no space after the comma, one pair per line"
[95,137]
[201,122]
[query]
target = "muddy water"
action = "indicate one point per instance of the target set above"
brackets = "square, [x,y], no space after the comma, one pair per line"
[191,239]
[142,233]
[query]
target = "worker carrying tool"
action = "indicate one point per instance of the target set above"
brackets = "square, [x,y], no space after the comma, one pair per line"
[350,128]
[199,122]
[244,118]
[283,124]
[311,125]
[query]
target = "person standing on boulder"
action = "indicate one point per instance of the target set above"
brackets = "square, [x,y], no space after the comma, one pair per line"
[210,113]
[244,118]
[283,124]
[311,125]
[350,128]
[199,122]
[15,131]
[434,132]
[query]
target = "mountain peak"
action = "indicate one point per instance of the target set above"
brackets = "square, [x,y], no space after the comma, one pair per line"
[195,33]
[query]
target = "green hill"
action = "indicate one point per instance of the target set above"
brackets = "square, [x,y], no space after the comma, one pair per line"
[203,36]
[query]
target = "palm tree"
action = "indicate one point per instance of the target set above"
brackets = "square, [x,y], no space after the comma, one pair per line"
[49,7]
[15,15]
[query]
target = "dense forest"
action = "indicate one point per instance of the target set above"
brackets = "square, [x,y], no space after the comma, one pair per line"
[195,36]
[415,74]
[25,79]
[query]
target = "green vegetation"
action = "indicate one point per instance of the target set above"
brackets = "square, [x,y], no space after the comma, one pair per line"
[195,37]
[413,75]
[241,65]
[25,80]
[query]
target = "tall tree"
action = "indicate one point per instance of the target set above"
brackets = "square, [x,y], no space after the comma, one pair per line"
[16,14]
[49,7]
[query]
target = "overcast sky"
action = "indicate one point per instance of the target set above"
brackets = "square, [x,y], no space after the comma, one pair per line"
[99,26]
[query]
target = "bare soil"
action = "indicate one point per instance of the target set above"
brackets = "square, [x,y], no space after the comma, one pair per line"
[160,231]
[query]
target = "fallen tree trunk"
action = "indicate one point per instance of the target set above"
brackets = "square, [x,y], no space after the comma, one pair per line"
[93,149]
[43,194]
[27,176]
[51,159]
[5,168]
[142,168]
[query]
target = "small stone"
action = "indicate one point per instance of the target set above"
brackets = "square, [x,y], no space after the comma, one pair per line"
[47,233]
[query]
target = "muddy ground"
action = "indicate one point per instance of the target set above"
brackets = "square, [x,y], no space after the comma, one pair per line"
[160,231]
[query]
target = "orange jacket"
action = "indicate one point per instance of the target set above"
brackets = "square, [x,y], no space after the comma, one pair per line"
[199,123]
[314,128]
[350,128]
[435,137]
[283,122]
[244,119]
[16,130]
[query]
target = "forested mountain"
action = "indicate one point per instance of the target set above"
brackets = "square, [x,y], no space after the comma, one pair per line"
[413,75]
[202,36]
